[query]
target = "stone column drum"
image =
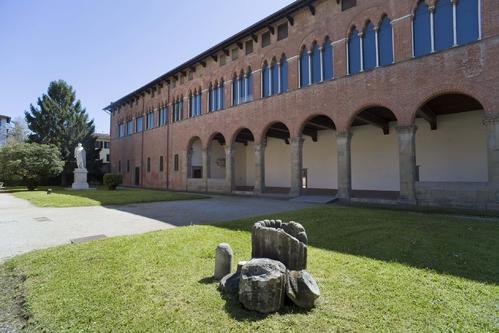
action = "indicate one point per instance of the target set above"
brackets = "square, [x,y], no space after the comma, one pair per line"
[223,260]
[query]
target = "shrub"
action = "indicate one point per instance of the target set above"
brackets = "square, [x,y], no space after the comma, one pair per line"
[29,163]
[112,180]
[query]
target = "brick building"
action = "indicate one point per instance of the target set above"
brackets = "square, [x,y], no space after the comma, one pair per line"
[392,100]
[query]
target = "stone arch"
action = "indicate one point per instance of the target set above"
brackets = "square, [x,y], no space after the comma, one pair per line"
[244,168]
[373,14]
[451,141]
[194,158]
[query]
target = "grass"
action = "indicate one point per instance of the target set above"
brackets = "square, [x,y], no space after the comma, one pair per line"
[62,197]
[378,270]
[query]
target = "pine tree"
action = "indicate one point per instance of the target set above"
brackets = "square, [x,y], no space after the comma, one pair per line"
[59,119]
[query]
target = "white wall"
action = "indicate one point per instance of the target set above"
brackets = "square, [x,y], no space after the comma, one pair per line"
[456,151]
[277,163]
[197,155]
[320,158]
[375,159]
[216,152]
[244,164]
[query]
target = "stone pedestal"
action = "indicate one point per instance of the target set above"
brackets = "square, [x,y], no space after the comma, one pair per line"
[80,179]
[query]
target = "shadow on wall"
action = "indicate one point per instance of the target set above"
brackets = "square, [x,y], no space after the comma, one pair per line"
[467,247]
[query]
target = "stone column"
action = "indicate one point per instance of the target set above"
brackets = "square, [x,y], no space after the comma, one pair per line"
[343,142]
[206,168]
[296,165]
[407,163]
[491,121]
[259,167]
[229,168]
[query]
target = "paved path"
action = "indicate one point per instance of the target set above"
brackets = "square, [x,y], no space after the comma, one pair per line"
[24,227]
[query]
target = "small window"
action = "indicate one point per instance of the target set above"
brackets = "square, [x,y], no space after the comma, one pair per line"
[148,164]
[223,60]
[282,31]
[175,162]
[161,164]
[190,76]
[235,54]
[266,39]
[119,166]
[249,47]
[181,79]
[127,165]
[107,157]
[347,4]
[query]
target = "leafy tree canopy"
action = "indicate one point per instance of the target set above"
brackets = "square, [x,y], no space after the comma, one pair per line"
[30,162]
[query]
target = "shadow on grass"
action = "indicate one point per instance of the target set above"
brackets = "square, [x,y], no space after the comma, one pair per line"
[458,246]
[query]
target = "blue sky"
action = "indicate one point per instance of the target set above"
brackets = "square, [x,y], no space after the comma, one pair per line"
[108,48]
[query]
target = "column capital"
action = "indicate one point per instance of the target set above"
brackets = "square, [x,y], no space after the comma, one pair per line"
[344,135]
[490,118]
[406,128]
[297,139]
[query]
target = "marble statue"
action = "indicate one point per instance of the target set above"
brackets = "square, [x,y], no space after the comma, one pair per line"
[81,157]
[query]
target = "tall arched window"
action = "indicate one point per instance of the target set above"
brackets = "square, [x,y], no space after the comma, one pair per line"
[304,68]
[443,25]
[221,95]
[284,74]
[354,52]
[385,41]
[242,88]
[216,97]
[422,30]
[467,21]
[199,103]
[316,64]
[274,77]
[211,100]
[249,85]
[266,87]
[369,47]
[327,58]
[235,90]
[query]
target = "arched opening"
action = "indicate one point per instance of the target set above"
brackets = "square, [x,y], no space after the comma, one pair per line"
[277,159]
[319,174]
[216,157]
[451,141]
[375,154]
[195,159]
[244,160]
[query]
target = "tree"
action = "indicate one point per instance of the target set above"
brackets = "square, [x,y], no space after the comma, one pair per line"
[30,162]
[18,133]
[59,119]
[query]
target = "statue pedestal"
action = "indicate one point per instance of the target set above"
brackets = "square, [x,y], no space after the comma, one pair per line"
[80,181]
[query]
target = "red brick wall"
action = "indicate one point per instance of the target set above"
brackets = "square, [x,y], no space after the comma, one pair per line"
[402,87]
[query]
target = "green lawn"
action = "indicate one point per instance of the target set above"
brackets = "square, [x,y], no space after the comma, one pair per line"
[62,197]
[378,270]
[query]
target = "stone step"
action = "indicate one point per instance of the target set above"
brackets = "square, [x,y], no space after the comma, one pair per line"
[316,199]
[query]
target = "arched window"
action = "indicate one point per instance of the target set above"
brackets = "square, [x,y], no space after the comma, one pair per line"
[422,30]
[192,105]
[211,101]
[443,25]
[275,78]
[369,47]
[284,74]
[467,21]
[354,52]
[221,95]
[235,90]
[327,58]
[304,68]
[249,85]
[385,41]
[242,88]
[316,64]
[266,80]
[216,97]
[199,102]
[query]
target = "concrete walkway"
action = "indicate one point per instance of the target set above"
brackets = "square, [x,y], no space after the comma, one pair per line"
[25,227]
